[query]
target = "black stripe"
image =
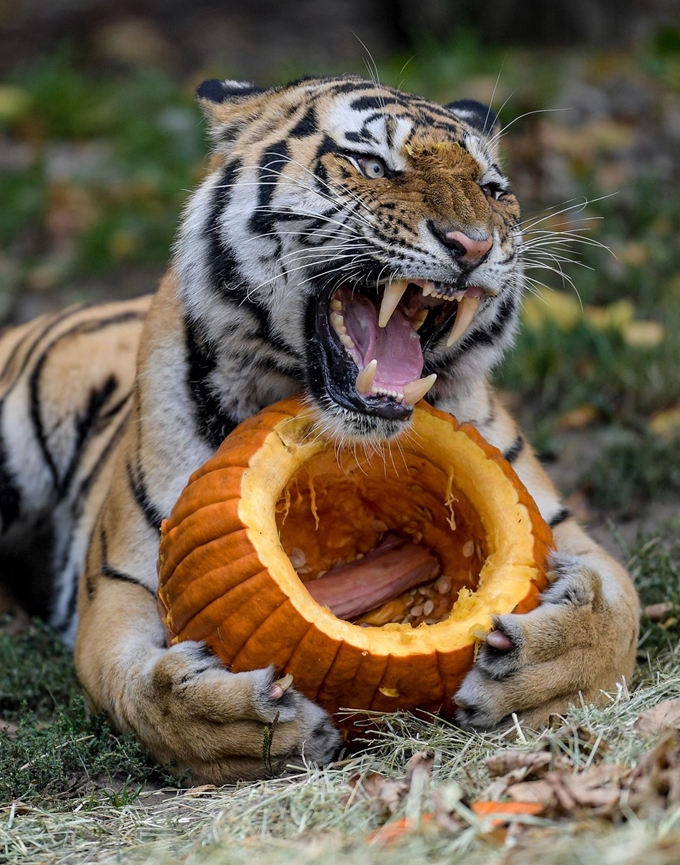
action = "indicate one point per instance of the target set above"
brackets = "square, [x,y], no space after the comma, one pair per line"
[111,412]
[88,482]
[78,502]
[85,425]
[77,511]
[213,424]
[273,161]
[106,570]
[49,325]
[514,450]
[151,513]
[222,259]
[363,137]
[504,316]
[113,574]
[562,515]
[378,103]
[307,126]
[327,145]
[321,174]
[225,277]
[35,401]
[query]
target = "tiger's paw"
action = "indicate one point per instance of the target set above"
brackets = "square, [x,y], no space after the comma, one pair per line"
[221,726]
[573,644]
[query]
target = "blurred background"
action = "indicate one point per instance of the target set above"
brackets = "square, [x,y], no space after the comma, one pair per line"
[100,141]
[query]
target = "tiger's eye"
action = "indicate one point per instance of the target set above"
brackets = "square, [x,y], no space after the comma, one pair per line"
[372,167]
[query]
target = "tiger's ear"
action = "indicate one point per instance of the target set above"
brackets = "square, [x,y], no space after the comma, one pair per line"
[225,103]
[215,92]
[480,117]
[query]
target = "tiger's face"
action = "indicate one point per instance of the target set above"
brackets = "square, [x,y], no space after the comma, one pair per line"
[372,235]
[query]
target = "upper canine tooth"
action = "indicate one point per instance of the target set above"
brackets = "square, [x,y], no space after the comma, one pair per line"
[366,377]
[466,309]
[416,390]
[391,297]
[428,288]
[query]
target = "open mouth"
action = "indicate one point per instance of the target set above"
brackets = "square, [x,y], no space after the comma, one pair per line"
[372,341]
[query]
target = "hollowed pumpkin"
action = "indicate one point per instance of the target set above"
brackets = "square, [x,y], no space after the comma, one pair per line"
[277,496]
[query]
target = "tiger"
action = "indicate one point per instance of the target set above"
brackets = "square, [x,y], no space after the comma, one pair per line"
[349,242]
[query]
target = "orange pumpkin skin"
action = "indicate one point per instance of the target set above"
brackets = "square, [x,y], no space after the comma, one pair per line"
[224,577]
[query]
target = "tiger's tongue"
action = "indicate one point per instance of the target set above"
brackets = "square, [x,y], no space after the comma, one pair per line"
[396,346]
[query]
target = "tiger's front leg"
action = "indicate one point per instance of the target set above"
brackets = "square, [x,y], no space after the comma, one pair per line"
[580,641]
[181,702]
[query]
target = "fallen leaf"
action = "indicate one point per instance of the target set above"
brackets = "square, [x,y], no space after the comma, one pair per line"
[614,316]
[385,795]
[596,790]
[661,717]
[666,424]
[580,417]
[657,612]
[446,799]
[500,810]
[654,784]
[633,254]
[393,832]
[558,307]
[644,334]
[519,764]
[539,792]
[421,761]
[14,101]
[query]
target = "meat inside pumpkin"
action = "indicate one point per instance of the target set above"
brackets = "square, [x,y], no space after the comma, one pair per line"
[393,537]
[278,508]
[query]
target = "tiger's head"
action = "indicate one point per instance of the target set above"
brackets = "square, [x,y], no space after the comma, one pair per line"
[358,239]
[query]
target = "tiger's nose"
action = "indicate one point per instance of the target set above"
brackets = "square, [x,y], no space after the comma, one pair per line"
[466,250]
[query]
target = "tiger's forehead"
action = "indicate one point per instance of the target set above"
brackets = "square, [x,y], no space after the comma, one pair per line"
[394,125]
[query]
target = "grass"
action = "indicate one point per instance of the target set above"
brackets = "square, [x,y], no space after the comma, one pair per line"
[55,748]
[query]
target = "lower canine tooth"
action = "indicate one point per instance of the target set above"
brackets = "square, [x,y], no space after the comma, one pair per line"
[466,309]
[366,377]
[416,390]
[391,297]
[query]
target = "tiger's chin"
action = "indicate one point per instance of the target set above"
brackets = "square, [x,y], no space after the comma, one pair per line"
[345,426]
[365,350]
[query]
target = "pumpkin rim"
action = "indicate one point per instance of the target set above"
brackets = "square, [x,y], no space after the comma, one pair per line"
[502,503]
